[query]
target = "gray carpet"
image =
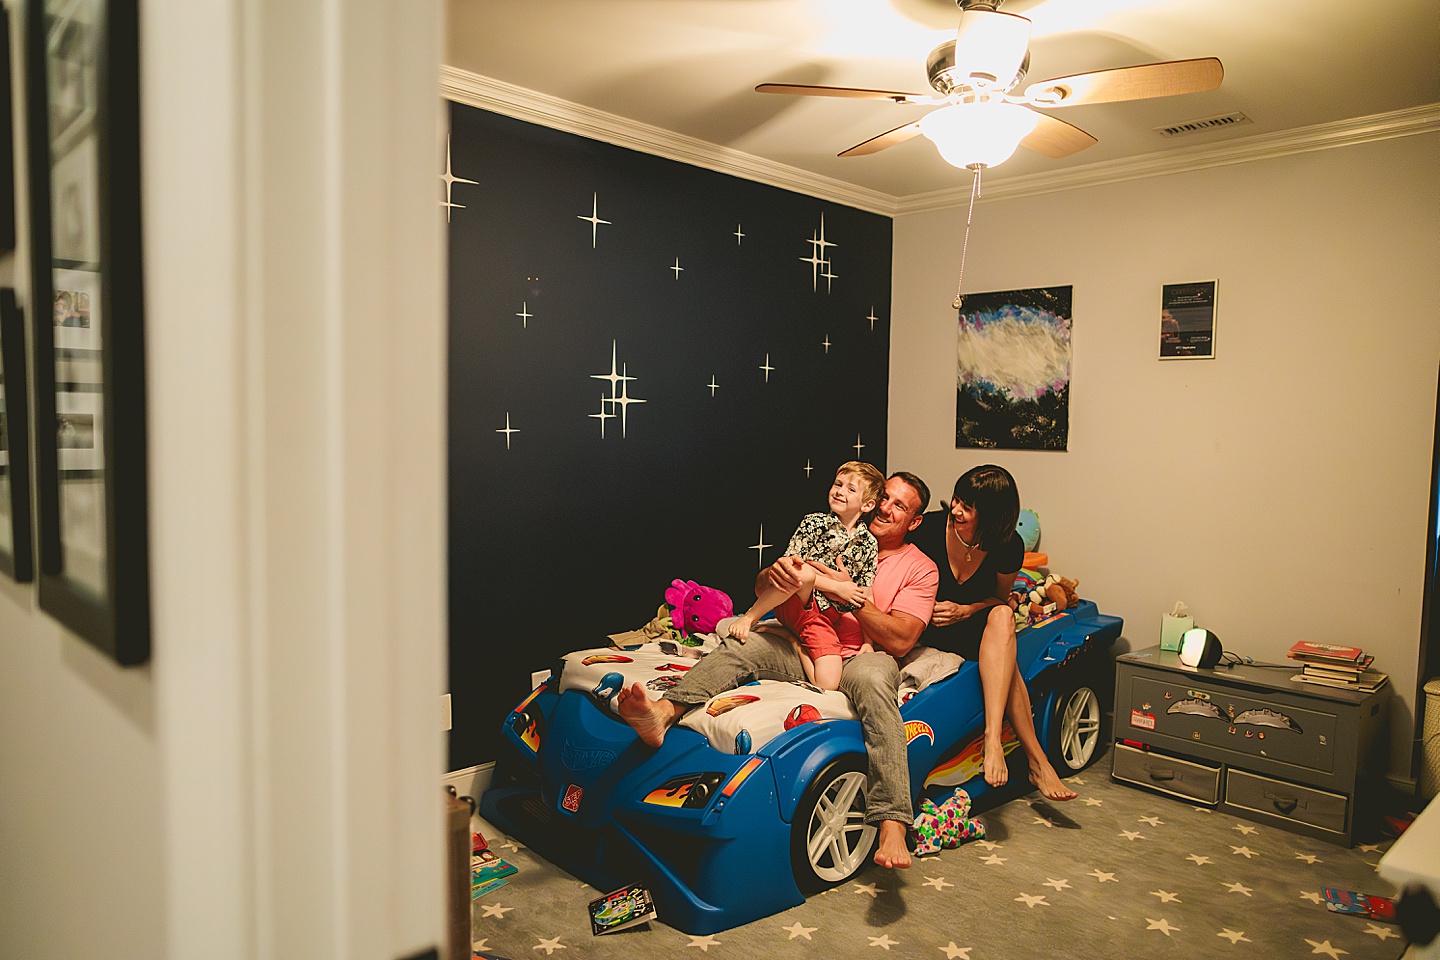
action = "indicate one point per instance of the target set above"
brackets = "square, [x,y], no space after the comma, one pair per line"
[1117,872]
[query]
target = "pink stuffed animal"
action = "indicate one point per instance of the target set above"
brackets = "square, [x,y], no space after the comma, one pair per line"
[697,609]
[947,825]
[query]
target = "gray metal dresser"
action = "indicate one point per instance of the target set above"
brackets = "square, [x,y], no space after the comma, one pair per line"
[1251,741]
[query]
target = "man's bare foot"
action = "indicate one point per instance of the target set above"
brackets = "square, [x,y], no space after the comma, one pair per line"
[1048,782]
[740,628]
[997,769]
[648,718]
[891,850]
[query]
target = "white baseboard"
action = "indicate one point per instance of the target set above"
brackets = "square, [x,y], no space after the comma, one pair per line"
[473,782]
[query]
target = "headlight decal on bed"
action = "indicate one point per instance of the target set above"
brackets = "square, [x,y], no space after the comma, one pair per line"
[692,791]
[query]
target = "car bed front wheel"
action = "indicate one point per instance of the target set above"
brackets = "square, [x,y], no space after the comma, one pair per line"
[830,841]
[1077,727]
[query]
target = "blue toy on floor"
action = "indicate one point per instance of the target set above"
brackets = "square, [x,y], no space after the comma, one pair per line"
[722,839]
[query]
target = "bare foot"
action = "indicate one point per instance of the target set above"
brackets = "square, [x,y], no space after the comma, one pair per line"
[1048,782]
[997,770]
[648,718]
[891,851]
[740,628]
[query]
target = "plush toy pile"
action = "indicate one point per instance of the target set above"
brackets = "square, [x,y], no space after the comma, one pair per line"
[1037,593]
[946,825]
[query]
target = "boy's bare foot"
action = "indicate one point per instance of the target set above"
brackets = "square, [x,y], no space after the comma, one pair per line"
[1048,782]
[648,718]
[740,628]
[997,770]
[891,850]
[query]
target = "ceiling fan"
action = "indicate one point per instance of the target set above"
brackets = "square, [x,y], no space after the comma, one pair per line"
[982,119]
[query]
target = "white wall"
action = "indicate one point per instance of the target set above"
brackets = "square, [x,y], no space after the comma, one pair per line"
[268,784]
[1279,489]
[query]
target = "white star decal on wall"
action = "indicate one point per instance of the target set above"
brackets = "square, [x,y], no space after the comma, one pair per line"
[858,446]
[524,314]
[622,399]
[819,259]
[449,179]
[826,342]
[872,318]
[712,385]
[808,468]
[760,546]
[594,219]
[738,235]
[677,268]
[507,430]
[767,368]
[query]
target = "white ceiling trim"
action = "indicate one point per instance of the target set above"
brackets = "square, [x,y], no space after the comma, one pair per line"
[476,90]
[1343,133]
[504,98]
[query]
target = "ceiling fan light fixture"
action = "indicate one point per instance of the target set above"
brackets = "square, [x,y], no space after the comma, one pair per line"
[990,47]
[978,134]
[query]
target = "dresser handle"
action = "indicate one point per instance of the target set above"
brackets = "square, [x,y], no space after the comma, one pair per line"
[1285,804]
[1161,774]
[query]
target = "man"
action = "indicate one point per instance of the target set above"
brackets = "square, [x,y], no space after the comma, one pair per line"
[892,617]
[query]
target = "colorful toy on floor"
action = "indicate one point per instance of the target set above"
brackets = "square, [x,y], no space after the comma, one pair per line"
[696,609]
[947,825]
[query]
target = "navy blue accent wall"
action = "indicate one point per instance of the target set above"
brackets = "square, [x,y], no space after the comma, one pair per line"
[575,496]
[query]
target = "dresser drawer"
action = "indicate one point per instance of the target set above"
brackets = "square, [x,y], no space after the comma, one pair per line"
[1288,801]
[1186,779]
[1231,724]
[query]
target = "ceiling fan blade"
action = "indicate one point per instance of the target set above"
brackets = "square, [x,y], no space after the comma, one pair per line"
[1056,138]
[887,139]
[1128,83]
[853,93]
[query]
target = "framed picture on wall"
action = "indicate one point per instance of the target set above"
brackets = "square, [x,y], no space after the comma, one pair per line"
[16,552]
[1187,321]
[83,120]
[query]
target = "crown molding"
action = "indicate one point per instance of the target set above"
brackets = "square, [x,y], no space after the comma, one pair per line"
[1324,136]
[497,96]
[475,90]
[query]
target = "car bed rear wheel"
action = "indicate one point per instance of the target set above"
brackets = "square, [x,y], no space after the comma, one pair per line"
[1077,728]
[830,841]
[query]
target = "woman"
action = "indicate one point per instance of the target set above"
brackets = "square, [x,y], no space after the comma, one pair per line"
[978,552]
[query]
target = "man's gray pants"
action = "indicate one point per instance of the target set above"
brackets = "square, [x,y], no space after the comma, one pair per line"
[870,680]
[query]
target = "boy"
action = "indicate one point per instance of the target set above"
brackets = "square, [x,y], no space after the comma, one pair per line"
[828,631]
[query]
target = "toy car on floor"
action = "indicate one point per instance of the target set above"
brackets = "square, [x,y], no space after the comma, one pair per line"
[723,838]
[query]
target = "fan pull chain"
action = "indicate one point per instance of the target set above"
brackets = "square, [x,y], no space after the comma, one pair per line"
[974,192]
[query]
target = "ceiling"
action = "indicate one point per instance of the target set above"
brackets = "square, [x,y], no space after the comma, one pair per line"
[691,66]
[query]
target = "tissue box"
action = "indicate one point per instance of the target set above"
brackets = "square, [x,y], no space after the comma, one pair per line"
[1172,628]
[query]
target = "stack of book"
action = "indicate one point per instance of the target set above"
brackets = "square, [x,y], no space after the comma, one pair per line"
[1333,665]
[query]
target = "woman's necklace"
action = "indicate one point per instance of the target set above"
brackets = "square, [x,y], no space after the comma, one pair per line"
[968,546]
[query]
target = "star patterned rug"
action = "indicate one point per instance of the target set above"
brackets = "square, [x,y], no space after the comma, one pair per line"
[1115,873]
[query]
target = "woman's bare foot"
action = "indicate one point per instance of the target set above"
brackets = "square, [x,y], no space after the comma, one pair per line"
[891,850]
[997,769]
[1048,782]
[648,718]
[740,628]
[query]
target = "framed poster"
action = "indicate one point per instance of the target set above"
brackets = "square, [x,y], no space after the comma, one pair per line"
[83,120]
[1012,370]
[1187,321]
[16,552]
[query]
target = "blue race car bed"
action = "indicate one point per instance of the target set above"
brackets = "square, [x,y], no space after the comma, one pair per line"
[725,831]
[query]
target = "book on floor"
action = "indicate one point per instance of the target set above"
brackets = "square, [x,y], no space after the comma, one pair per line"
[627,907]
[485,865]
